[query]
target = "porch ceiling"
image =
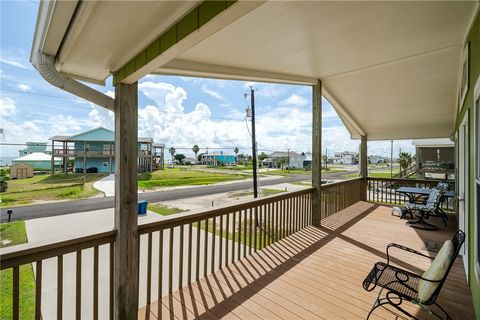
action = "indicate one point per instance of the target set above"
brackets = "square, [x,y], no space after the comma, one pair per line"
[391,69]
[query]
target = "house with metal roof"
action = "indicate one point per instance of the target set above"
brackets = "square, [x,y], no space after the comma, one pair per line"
[39,161]
[94,151]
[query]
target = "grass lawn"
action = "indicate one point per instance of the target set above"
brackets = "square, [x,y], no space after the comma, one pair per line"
[163,209]
[44,187]
[279,172]
[12,234]
[181,176]
[237,167]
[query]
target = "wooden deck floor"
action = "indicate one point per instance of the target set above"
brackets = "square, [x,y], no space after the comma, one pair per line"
[317,273]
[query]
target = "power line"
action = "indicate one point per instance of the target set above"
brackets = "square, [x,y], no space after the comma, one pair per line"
[39,94]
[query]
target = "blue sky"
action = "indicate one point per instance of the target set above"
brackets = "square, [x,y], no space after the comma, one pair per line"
[177,111]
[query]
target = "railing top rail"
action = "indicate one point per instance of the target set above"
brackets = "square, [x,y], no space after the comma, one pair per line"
[432,181]
[337,183]
[189,217]
[28,253]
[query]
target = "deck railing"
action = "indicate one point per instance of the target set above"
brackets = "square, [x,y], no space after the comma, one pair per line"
[210,240]
[340,195]
[173,252]
[383,190]
[58,255]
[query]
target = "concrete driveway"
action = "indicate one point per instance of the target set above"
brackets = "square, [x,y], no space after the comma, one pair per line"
[106,185]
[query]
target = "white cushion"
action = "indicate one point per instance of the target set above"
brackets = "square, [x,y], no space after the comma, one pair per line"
[436,271]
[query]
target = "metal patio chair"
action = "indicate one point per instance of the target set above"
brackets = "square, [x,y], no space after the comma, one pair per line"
[425,211]
[403,285]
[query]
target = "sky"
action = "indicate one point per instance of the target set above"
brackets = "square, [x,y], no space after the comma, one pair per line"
[176,111]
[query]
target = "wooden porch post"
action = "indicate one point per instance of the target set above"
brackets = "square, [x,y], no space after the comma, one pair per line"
[317,152]
[127,241]
[363,164]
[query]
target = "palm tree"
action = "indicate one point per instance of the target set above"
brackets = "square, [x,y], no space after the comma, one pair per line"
[195,150]
[405,160]
[172,152]
[235,150]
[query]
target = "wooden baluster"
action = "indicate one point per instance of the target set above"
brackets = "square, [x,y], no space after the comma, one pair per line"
[239,244]
[250,236]
[78,286]
[214,235]
[170,259]
[16,293]
[38,290]
[180,259]
[160,270]
[197,253]
[255,229]
[95,282]
[264,226]
[234,221]
[227,226]
[205,249]
[220,243]
[277,219]
[244,233]
[284,218]
[189,263]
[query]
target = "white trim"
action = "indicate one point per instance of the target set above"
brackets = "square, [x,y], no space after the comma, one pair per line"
[463,158]
[476,128]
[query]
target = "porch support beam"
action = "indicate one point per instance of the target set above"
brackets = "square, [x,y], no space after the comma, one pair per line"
[363,164]
[317,152]
[127,240]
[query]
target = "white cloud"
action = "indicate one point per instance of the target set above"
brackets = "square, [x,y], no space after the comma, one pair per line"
[14,63]
[294,100]
[24,87]
[212,93]
[8,107]
[168,97]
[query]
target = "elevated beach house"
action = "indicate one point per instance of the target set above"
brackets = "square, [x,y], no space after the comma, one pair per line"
[391,69]
[94,151]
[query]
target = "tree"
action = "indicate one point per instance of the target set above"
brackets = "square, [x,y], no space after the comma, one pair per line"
[172,152]
[195,150]
[179,157]
[282,162]
[235,150]
[405,160]
[3,180]
[262,156]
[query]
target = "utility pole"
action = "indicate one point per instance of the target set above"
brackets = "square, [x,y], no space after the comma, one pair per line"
[254,144]
[391,159]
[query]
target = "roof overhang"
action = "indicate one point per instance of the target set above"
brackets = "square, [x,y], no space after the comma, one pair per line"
[390,69]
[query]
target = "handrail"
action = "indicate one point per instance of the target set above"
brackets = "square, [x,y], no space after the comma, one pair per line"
[188,217]
[28,253]
[432,181]
[338,183]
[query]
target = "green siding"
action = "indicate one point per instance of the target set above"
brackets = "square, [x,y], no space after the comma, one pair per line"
[474,73]
[191,22]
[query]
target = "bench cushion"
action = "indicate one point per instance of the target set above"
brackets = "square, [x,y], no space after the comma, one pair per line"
[436,271]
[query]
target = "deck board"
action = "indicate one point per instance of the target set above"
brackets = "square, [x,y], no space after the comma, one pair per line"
[317,273]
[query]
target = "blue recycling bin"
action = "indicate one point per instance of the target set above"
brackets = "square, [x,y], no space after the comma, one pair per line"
[142,207]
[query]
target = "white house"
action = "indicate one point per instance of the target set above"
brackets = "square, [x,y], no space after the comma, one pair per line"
[289,159]
[375,159]
[345,157]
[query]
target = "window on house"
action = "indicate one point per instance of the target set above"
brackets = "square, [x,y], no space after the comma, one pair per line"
[105,164]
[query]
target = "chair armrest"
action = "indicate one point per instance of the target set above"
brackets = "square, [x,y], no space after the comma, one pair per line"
[399,246]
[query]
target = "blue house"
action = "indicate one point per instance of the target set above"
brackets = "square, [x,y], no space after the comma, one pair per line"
[94,151]
[215,159]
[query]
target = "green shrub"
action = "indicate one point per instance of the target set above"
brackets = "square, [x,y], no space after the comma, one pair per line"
[144,176]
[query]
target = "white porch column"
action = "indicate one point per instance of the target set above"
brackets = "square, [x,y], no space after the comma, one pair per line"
[127,241]
[317,152]
[363,164]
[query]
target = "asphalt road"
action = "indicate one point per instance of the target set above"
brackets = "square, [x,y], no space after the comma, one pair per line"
[66,207]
